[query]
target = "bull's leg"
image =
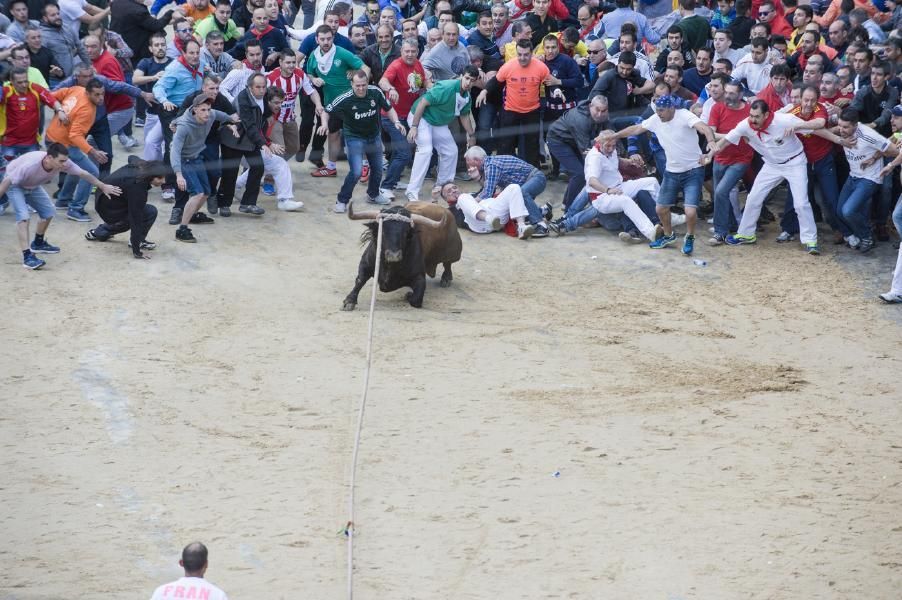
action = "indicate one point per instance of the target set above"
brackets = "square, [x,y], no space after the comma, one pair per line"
[447,276]
[364,274]
[418,289]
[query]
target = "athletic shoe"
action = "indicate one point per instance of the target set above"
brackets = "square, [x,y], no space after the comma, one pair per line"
[387,193]
[524,232]
[547,211]
[139,122]
[365,174]
[44,248]
[736,239]
[200,218]
[812,249]
[145,245]
[411,197]
[175,217]
[89,235]
[784,237]
[212,205]
[183,234]
[676,219]
[663,241]
[324,172]
[716,240]
[630,237]
[890,298]
[688,244]
[77,214]
[30,261]
[269,189]
[168,195]
[540,230]
[557,227]
[866,245]
[340,208]
[127,142]
[289,205]
[251,209]
[380,200]
[61,205]
[225,211]
[853,241]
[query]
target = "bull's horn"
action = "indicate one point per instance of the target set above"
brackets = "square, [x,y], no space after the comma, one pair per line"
[421,220]
[367,215]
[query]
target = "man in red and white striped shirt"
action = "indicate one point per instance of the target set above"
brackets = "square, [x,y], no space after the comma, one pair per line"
[290,80]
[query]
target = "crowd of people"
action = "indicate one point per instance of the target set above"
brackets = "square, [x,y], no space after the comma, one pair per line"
[657,114]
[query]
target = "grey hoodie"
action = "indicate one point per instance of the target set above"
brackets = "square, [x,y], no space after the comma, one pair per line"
[190,137]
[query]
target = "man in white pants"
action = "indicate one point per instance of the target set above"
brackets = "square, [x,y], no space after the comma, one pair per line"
[491,214]
[772,135]
[431,113]
[609,193]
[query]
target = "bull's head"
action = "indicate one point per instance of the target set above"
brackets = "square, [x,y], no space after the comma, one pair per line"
[398,227]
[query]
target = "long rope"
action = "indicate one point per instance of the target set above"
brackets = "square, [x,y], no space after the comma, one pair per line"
[349,528]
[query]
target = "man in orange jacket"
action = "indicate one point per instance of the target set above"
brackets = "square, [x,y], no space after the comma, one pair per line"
[80,107]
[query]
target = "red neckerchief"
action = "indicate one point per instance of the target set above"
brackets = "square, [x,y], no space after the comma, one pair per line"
[522,10]
[251,67]
[498,34]
[260,35]
[586,31]
[179,44]
[194,72]
[763,129]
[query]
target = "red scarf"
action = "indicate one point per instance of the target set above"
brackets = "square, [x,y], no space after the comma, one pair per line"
[252,67]
[521,10]
[498,34]
[587,30]
[763,129]
[194,72]
[260,35]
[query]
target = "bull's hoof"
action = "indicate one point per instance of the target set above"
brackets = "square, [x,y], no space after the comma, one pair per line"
[409,298]
[444,283]
[348,306]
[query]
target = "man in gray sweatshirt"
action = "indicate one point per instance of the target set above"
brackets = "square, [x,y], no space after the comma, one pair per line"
[188,144]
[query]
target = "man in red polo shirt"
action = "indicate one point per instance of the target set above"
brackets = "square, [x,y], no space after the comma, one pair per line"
[821,169]
[732,163]
[119,107]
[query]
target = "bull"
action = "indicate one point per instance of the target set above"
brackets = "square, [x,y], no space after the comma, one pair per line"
[415,239]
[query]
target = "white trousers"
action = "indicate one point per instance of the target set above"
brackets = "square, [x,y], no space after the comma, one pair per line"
[153,138]
[429,137]
[615,203]
[897,275]
[769,177]
[281,174]
[506,206]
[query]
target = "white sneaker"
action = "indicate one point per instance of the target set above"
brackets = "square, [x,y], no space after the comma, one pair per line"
[411,197]
[784,237]
[387,193]
[380,199]
[340,208]
[168,195]
[524,232]
[127,142]
[853,240]
[677,219]
[289,205]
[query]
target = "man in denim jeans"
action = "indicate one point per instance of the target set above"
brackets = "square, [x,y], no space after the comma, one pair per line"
[685,169]
[359,112]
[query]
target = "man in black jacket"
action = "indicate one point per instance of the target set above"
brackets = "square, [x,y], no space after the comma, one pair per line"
[252,113]
[381,54]
[132,20]
[571,136]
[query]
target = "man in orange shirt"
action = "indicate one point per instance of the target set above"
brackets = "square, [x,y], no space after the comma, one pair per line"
[197,10]
[79,107]
[523,79]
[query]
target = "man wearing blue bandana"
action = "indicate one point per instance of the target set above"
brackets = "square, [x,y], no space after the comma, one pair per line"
[685,165]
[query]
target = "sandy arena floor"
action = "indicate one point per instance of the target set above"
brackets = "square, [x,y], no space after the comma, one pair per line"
[721,432]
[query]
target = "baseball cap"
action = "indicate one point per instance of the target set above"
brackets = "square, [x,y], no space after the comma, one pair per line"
[897,110]
[201,99]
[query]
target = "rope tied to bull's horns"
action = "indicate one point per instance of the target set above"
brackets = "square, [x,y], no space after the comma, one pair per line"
[349,528]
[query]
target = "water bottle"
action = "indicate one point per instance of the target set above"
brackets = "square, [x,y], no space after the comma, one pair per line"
[699,262]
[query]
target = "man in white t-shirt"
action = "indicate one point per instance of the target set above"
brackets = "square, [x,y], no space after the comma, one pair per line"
[865,149]
[772,135]
[685,168]
[76,12]
[754,67]
[193,584]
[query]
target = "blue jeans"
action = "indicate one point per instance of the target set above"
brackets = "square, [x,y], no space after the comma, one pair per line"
[725,179]
[401,154]
[586,213]
[823,174]
[690,182]
[358,148]
[854,200]
[897,216]
[571,161]
[76,190]
[532,187]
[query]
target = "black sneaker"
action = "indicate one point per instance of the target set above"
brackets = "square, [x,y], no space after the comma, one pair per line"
[183,234]
[44,248]
[30,261]
[547,211]
[866,245]
[201,218]
[93,238]
[557,227]
[145,245]
[540,231]
[175,217]
[225,211]
[251,209]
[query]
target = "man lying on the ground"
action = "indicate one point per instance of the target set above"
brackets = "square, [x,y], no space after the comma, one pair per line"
[491,214]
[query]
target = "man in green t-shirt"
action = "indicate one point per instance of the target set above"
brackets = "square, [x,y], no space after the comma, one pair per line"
[330,68]
[429,118]
[359,111]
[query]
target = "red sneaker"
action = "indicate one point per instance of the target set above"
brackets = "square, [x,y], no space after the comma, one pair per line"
[324,172]
[365,174]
